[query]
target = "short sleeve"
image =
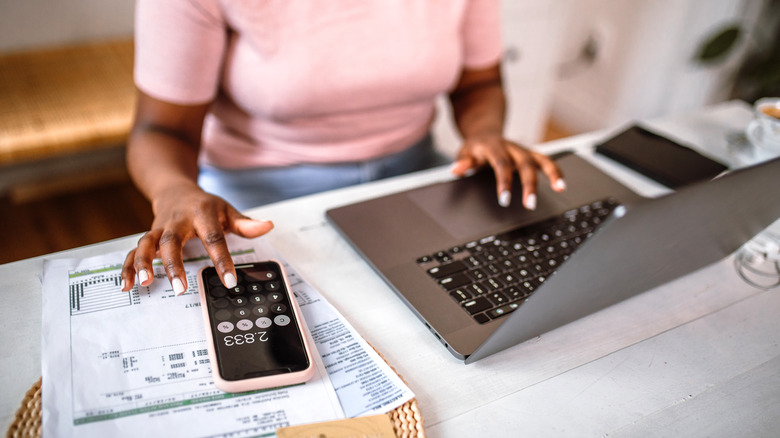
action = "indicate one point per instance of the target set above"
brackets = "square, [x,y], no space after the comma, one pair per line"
[482,45]
[179,47]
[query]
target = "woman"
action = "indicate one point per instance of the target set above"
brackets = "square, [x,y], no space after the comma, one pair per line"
[251,98]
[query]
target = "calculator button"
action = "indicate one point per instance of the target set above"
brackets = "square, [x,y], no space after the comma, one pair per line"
[254,288]
[221,303]
[218,292]
[239,301]
[225,327]
[257,299]
[275,297]
[260,310]
[282,320]
[263,322]
[278,308]
[241,313]
[238,290]
[222,315]
[272,286]
[267,275]
[245,325]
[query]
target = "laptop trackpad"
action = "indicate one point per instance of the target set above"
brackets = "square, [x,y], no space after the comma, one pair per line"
[468,208]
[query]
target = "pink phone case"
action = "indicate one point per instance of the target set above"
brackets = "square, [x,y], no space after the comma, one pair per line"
[252,384]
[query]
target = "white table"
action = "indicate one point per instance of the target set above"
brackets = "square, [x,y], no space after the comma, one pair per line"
[696,357]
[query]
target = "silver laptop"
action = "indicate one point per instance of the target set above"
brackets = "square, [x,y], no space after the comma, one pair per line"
[483,278]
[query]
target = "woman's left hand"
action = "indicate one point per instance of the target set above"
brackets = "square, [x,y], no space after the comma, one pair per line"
[506,157]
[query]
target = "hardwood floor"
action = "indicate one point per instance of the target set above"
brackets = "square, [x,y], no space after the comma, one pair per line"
[87,216]
[72,220]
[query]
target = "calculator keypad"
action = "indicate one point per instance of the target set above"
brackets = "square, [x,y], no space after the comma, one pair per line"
[256,302]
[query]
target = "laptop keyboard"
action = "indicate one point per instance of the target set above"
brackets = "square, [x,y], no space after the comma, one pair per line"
[492,276]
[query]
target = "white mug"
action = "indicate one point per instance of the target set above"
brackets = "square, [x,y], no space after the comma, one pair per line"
[764,130]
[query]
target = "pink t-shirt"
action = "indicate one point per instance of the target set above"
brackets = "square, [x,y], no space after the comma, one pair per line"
[310,81]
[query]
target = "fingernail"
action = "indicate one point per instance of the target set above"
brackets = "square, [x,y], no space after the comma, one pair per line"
[530,202]
[559,185]
[143,276]
[468,172]
[229,280]
[505,198]
[178,286]
[122,285]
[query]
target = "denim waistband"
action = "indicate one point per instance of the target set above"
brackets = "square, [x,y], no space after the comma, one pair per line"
[246,188]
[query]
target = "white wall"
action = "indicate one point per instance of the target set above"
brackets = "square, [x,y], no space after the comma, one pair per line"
[26,24]
[644,63]
[532,32]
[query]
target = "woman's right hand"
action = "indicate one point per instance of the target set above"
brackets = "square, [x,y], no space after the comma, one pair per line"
[162,157]
[181,213]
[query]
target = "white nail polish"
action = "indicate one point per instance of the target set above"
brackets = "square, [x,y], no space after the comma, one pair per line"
[230,280]
[530,202]
[178,286]
[505,198]
[559,185]
[470,172]
[122,284]
[143,276]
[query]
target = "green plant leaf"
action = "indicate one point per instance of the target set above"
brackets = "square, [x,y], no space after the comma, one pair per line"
[719,45]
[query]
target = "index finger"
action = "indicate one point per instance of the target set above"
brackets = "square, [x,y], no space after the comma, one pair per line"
[213,238]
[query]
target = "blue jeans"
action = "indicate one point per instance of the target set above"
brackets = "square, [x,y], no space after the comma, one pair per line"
[246,188]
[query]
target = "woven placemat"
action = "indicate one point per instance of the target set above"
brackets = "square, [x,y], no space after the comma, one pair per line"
[407,419]
[28,418]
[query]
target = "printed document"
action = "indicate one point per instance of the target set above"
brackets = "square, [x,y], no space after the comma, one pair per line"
[136,364]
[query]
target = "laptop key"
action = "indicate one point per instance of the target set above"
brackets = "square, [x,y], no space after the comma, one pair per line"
[523,273]
[476,289]
[455,281]
[508,264]
[508,279]
[472,261]
[456,249]
[477,305]
[460,295]
[481,318]
[497,298]
[492,284]
[523,259]
[477,274]
[447,269]
[424,259]
[442,257]
[515,293]
[529,285]
[503,310]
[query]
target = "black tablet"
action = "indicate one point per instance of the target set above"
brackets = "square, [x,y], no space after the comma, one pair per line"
[659,158]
